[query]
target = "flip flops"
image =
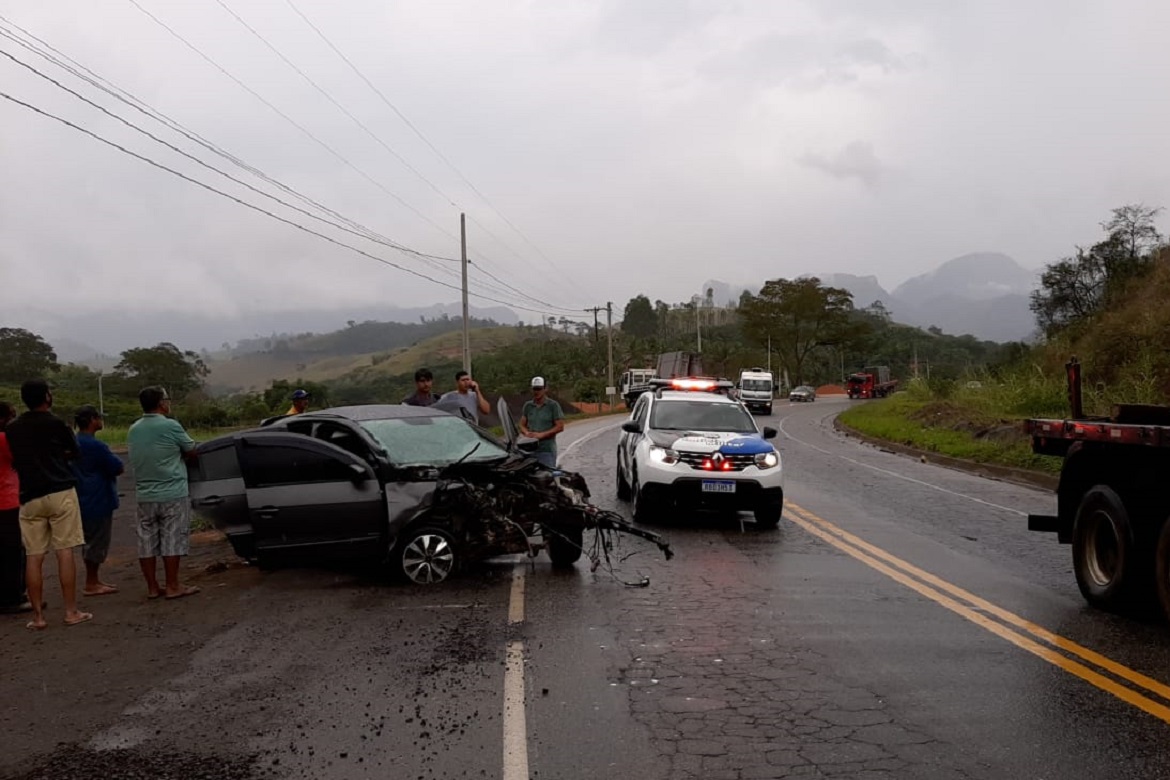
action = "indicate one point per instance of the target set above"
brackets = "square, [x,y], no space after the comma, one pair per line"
[190,590]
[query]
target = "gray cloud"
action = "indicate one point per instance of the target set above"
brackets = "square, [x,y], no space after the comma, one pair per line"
[855,160]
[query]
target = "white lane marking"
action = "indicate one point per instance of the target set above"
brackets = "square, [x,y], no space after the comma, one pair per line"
[590,437]
[516,600]
[901,476]
[515,725]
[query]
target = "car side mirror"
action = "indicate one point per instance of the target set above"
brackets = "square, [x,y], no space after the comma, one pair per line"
[769,433]
[358,473]
[632,426]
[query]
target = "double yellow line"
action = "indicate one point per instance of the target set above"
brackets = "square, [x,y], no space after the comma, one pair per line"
[1022,633]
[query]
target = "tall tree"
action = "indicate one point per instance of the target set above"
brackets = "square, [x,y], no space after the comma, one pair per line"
[799,315]
[639,319]
[24,355]
[165,364]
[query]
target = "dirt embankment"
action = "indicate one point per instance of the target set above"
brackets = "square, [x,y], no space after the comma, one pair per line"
[979,425]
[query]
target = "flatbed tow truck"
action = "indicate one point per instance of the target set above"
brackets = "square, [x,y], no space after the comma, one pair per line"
[1113,498]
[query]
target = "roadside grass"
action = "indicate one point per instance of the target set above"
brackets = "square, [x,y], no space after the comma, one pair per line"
[959,426]
[115,435]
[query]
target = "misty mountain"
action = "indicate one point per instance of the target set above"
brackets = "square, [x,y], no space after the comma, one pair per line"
[979,276]
[91,338]
[723,293]
[865,289]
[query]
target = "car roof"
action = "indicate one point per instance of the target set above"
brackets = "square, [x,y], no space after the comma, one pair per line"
[361,412]
[695,395]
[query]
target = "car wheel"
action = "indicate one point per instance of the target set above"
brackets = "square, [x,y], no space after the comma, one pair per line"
[643,511]
[769,409]
[768,515]
[564,545]
[623,487]
[425,555]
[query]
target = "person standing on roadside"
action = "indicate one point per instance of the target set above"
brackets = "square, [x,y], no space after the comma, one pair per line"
[42,445]
[158,448]
[542,419]
[97,470]
[467,395]
[12,595]
[423,395]
[300,402]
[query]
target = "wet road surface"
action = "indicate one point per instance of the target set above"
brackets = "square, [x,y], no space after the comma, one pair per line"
[901,623]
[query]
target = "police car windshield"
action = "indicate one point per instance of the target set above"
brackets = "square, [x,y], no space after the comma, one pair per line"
[701,416]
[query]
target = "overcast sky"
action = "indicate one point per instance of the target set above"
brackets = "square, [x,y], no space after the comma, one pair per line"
[638,146]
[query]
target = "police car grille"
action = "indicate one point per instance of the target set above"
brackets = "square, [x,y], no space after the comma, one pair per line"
[695,461]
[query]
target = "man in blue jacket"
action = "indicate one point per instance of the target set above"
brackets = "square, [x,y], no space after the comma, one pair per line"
[97,470]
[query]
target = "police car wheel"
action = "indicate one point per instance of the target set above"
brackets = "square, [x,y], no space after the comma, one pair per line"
[623,487]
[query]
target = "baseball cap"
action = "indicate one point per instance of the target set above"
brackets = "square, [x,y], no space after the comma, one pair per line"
[300,394]
[537,381]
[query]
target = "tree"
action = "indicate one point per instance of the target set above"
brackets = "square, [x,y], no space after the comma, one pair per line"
[1134,227]
[166,365]
[799,316]
[639,319]
[24,355]
[279,395]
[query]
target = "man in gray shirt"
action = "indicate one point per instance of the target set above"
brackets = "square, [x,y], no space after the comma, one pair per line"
[466,395]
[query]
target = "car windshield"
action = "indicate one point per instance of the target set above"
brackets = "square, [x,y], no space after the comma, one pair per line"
[434,441]
[701,416]
[757,384]
[803,389]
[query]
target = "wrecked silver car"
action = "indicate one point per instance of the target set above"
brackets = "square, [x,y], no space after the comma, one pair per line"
[424,489]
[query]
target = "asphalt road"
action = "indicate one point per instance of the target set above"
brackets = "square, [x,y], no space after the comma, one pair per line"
[901,623]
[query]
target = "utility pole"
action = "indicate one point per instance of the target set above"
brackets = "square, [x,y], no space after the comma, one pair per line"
[595,310]
[698,327]
[609,389]
[769,354]
[466,334]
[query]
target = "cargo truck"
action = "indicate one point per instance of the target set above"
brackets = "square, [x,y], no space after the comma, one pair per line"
[871,382]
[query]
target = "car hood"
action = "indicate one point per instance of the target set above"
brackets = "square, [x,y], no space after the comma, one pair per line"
[709,442]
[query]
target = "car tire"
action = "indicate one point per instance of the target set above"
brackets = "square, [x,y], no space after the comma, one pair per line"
[1162,568]
[1104,558]
[643,512]
[425,555]
[768,515]
[564,545]
[623,487]
[769,409]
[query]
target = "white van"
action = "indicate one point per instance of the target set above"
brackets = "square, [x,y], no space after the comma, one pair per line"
[756,389]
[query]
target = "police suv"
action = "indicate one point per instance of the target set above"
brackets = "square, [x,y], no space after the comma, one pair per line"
[689,445]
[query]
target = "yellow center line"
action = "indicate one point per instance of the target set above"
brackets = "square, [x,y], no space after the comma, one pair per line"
[817,529]
[1069,646]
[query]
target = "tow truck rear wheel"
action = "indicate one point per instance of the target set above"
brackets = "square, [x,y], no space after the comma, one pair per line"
[623,487]
[1104,558]
[1162,568]
[564,545]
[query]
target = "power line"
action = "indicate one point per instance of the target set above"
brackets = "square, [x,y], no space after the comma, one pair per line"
[127,98]
[382,96]
[291,121]
[248,205]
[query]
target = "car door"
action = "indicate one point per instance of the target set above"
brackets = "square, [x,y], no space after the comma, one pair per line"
[217,490]
[630,440]
[304,493]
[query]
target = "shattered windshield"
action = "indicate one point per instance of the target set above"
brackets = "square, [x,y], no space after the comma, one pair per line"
[434,441]
[701,416]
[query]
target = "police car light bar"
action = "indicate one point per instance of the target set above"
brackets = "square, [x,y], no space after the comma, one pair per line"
[707,384]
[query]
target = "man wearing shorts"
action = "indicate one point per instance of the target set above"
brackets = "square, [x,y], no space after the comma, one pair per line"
[158,448]
[42,446]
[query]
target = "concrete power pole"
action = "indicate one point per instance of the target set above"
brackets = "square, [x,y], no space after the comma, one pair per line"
[609,389]
[466,334]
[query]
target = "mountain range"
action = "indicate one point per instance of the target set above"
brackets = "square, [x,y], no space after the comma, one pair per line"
[984,294]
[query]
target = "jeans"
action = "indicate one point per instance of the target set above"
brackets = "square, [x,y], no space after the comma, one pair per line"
[547,458]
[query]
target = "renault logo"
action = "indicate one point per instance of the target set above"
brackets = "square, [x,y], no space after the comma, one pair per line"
[717,457]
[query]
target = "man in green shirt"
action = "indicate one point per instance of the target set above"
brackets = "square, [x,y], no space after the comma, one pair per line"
[159,448]
[542,419]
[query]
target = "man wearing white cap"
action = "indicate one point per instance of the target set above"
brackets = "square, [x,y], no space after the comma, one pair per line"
[542,419]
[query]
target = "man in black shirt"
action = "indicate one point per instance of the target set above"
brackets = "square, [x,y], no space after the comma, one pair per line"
[42,445]
[423,395]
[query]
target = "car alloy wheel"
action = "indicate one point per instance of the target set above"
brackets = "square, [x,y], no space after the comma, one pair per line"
[427,556]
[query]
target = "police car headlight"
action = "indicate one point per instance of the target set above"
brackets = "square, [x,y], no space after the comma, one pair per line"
[663,455]
[768,460]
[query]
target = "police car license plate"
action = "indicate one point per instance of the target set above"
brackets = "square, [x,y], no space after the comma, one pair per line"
[718,486]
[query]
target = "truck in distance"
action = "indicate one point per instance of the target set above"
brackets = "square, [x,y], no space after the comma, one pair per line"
[871,382]
[756,389]
[634,382]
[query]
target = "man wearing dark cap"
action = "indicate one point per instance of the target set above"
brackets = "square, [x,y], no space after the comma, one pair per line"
[423,395]
[300,402]
[97,470]
[42,446]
